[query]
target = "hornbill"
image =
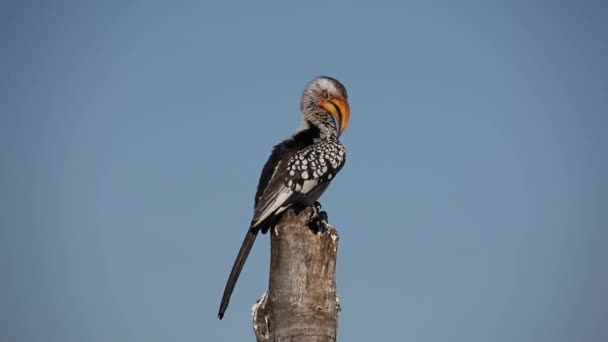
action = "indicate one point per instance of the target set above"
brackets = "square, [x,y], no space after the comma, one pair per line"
[300,168]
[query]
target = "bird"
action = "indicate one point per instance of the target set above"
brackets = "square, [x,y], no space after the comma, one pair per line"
[299,168]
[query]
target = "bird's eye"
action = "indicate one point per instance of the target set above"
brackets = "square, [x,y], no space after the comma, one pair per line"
[325,94]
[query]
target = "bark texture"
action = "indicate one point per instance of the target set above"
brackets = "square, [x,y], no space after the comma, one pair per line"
[301,304]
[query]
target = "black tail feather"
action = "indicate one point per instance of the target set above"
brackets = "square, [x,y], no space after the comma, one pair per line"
[236,270]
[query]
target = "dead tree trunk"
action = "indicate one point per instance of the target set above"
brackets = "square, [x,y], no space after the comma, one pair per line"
[301,304]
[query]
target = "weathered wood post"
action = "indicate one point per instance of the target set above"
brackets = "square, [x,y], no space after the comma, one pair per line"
[301,304]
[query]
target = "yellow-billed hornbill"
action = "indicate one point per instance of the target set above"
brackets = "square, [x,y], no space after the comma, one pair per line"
[300,168]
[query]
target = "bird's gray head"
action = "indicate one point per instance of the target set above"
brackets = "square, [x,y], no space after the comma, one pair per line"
[325,95]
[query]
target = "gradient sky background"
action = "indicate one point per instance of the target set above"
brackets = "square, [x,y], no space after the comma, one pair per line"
[472,206]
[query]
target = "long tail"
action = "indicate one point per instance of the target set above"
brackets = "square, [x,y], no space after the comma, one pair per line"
[236,270]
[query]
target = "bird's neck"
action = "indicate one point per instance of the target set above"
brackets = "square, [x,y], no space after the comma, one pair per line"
[315,131]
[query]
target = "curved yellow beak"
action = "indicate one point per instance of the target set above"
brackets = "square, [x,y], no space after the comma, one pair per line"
[340,109]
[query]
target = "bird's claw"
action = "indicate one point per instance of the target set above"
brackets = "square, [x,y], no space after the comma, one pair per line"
[318,220]
[317,206]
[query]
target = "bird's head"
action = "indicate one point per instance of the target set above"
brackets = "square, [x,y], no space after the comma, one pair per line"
[326,95]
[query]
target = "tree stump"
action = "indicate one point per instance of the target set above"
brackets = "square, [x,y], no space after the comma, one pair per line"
[301,304]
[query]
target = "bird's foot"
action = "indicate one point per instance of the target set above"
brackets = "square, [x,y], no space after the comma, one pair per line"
[318,220]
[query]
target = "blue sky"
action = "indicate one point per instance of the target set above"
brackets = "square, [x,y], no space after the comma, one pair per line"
[472,206]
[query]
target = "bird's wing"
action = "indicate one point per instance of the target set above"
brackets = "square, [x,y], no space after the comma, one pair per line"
[275,196]
[292,180]
[279,152]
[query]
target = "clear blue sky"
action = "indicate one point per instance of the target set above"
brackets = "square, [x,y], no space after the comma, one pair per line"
[473,206]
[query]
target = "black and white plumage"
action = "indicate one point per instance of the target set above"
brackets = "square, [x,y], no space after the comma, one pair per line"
[300,168]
